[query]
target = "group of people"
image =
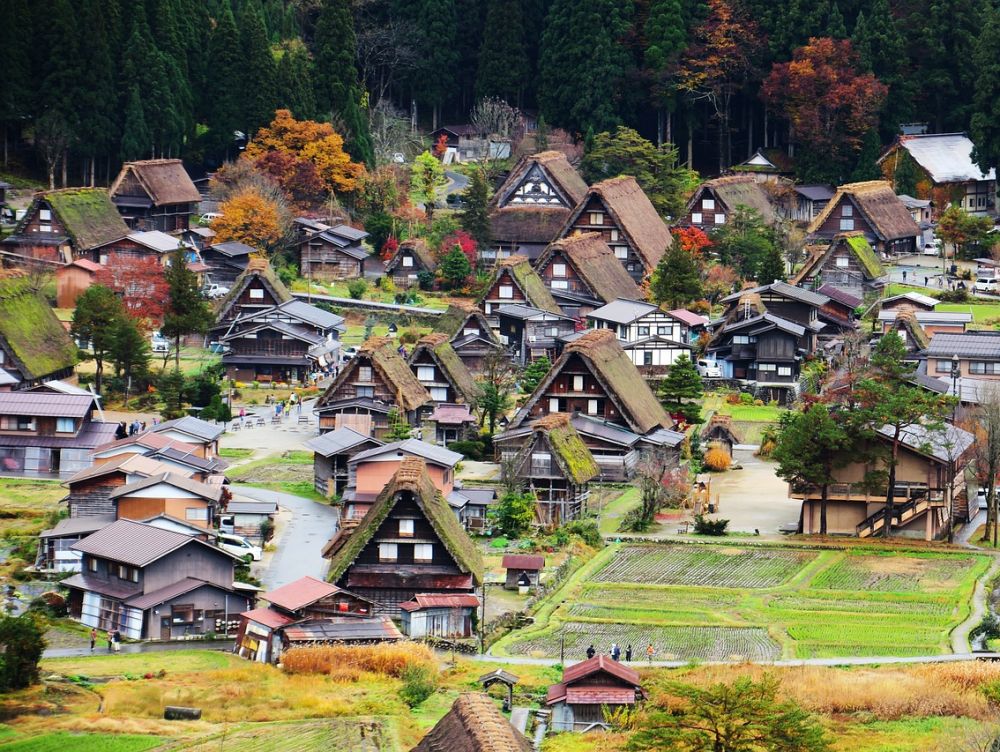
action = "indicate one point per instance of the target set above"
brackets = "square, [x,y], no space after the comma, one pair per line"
[114,638]
[131,429]
[616,652]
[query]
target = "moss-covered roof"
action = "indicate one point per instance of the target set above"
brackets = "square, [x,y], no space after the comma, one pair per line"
[412,478]
[572,455]
[908,320]
[856,242]
[865,254]
[31,330]
[453,321]
[531,284]
[258,267]
[381,351]
[88,215]
[440,349]
[419,249]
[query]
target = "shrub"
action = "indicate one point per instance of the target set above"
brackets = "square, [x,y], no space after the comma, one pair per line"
[953,296]
[388,659]
[357,288]
[409,336]
[22,639]
[733,398]
[586,530]
[418,685]
[266,530]
[717,459]
[425,280]
[472,450]
[746,399]
[703,526]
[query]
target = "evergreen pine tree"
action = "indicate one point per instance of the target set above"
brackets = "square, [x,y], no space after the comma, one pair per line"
[835,26]
[681,389]
[871,150]
[258,75]
[295,85]
[187,312]
[136,140]
[60,78]
[541,134]
[98,101]
[986,116]
[882,50]
[222,85]
[475,219]
[129,352]
[455,267]
[435,25]
[583,63]
[676,281]
[772,266]
[666,37]
[503,63]
[16,94]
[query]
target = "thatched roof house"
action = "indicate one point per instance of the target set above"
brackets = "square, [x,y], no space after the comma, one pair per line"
[474,724]
[714,201]
[384,358]
[257,287]
[872,208]
[435,349]
[35,345]
[516,281]
[584,264]
[411,257]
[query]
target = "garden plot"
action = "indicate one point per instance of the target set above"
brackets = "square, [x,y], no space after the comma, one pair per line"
[896,574]
[671,643]
[711,566]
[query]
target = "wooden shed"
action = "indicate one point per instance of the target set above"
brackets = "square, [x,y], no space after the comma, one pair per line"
[719,432]
[518,565]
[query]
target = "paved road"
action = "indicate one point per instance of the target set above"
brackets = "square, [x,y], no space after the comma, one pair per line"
[375,305]
[298,546]
[865,661]
[457,182]
[142,647]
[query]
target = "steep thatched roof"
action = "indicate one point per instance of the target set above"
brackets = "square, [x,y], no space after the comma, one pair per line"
[738,190]
[164,180]
[526,278]
[907,320]
[634,214]
[720,426]
[612,367]
[412,478]
[554,165]
[474,724]
[419,248]
[260,268]
[440,349]
[453,321]
[389,364]
[856,243]
[527,224]
[88,215]
[35,337]
[595,263]
[571,454]
[879,205]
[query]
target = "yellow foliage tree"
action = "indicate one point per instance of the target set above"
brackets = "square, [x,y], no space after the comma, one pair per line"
[302,154]
[250,218]
[717,458]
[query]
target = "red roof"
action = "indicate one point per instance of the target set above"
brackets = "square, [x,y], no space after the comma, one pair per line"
[598,663]
[450,414]
[530,562]
[688,317]
[267,617]
[599,695]
[430,600]
[87,264]
[148,440]
[299,594]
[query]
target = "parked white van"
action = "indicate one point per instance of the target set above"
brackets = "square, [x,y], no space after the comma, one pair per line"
[237,544]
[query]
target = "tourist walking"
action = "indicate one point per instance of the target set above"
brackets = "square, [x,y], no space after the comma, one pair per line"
[117,637]
[111,641]
[93,639]
[650,651]
[591,652]
[616,652]
[628,654]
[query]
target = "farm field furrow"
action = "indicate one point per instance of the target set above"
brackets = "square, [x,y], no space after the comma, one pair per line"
[718,602]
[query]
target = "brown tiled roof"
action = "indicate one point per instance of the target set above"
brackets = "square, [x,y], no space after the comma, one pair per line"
[411,477]
[474,724]
[438,600]
[610,364]
[635,215]
[881,207]
[300,593]
[45,404]
[438,346]
[165,180]
[136,543]
[419,248]
[595,263]
[523,561]
[735,190]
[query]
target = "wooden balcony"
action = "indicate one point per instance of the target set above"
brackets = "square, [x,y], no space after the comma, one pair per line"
[861,493]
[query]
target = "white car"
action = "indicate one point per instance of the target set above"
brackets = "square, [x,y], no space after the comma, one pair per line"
[930,250]
[986,284]
[240,546]
[216,291]
[208,217]
[981,501]
[708,369]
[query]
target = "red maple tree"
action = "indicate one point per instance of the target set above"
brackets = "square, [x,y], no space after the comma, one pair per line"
[464,241]
[692,240]
[141,284]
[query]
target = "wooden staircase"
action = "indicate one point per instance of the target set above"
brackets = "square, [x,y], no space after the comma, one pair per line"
[901,514]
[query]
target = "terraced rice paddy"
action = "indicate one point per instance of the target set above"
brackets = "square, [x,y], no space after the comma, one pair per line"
[718,602]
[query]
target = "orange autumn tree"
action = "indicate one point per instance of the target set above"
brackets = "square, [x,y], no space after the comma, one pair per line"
[692,240]
[306,158]
[249,217]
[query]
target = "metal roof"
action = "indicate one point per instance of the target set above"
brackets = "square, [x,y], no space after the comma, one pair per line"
[451,414]
[268,617]
[612,432]
[45,404]
[300,593]
[241,506]
[664,437]
[768,319]
[233,248]
[200,429]
[414,447]
[168,592]
[343,629]
[90,436]
[945,445]
[7,378]
[518,311]
[204,490]
[156,240]
[785,290]
[523,561]
[815,192]
[434,600]
[310,314]
[915,297]
[930,317]
[622,311]
[62,387]
[947,157]
[338,441]
[147,440]
[841,296]
[78,525]
[689,317]
[136,464]
[137,544]
[914,203]
[980,345]
[176,453]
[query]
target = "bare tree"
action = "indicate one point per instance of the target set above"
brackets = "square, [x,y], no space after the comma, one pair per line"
[53,137]
[385,50]
[986,428]
[983,738]
[494,118]
[391,133]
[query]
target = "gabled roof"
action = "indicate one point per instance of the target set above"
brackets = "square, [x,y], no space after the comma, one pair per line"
[411,478]
[385,359]
[531,562]
[439,455]
[571,454]
[301,593]
[841,296]
[443,354]
[945,445]
[595,263]
[177,452]
[633,213]
[257,268]
[689,317]
[908,321]
[419,248]
[561,174]
[737,190]
[930,317]
[297,309]
[168,592]
[474,724]
[980,345]
[534,225]
[155,240]
[343,629]
[210,492]
[421,601]
[46,404]
[597,664]
[268,617]
[526,312]
[814,192]
[132,464]
[200,429]
[37,339]
[611,366]
[88,215]
[336,442]
[233,248]
[146,441]
[622,311]
[137,544]
[453,321]
[71,526]
[885,213]
[527,279]
[767,160]
[857,244]
[925,301]
[783,289]
[720,424]
[946,157]
[165,180]
[61,387]
[767,321]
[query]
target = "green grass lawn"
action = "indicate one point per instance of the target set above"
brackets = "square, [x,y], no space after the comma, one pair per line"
[231,453]
[615,510]
[715,402]
[983,314]
[63,741]
[720,602]
[173,661]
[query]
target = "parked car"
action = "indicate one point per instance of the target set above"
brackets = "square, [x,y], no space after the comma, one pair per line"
[215,291]
[347,353]
[158,343]
[708,369]
[981,500]
[208,217]
[237,544]
[986,284]
[931,250]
